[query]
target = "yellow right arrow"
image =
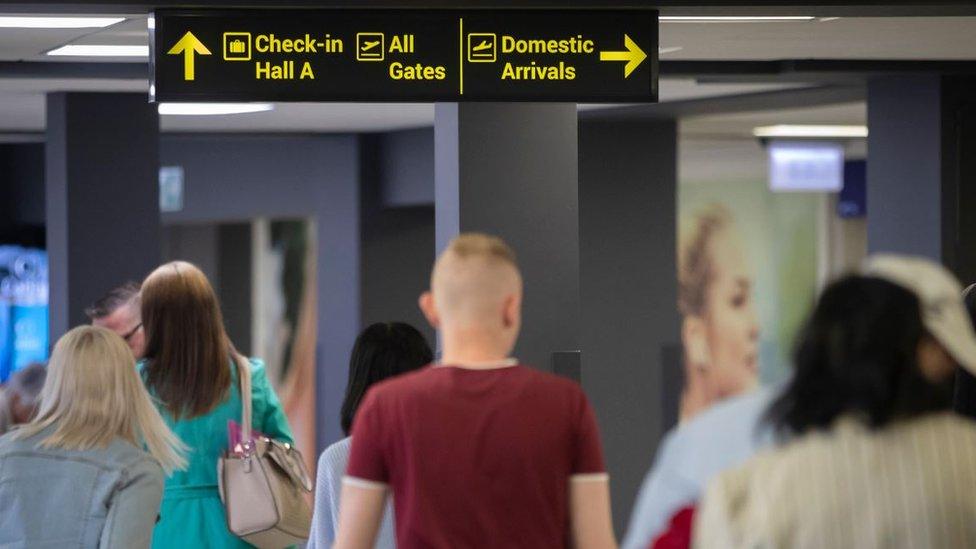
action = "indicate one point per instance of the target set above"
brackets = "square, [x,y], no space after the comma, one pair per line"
[188,45]
[634,56]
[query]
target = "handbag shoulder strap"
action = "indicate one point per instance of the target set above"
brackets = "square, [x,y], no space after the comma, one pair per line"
[244,375]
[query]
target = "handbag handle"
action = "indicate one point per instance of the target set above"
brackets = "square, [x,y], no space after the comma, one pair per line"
[244,375]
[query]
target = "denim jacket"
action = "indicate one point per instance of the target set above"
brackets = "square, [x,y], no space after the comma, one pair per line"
[51,497]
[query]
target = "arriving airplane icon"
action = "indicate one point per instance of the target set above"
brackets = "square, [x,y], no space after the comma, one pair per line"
[482,47]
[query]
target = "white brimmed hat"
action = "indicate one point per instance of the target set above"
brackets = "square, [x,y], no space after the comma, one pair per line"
[940,296]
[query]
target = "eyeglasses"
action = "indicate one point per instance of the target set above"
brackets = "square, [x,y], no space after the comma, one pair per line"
[132,332]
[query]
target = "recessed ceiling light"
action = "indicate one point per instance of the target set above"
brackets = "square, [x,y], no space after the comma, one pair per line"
[202,109]
[36,22]
[736,18]
[93,50]
[672,49]
[798,130]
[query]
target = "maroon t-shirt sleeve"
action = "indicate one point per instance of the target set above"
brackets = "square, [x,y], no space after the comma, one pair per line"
[589,450]
[367,459]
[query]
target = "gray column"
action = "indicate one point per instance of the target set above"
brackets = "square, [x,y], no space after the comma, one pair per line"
[904,190]
[102,197]
[511,170]
[628,290]
[920,171]
[959,176]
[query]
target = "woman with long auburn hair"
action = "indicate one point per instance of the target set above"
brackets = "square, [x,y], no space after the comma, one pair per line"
[189,368]
[79,470]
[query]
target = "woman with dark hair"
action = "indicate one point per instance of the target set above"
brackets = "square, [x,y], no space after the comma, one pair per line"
[382,351]
[876,456]
[190,371]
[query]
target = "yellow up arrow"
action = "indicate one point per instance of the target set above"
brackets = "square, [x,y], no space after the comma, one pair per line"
[188,46]
[634,56]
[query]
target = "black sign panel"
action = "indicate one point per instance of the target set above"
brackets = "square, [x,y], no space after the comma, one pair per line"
[405,55]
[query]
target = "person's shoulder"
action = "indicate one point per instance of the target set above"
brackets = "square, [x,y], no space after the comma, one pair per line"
[404,384]
[949,425]
[335,457]
[258,367]
[127,456]
[742,412]
[11,442]
[549,381]
[337,450]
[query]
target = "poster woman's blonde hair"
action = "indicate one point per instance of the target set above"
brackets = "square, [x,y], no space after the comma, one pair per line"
[93,395]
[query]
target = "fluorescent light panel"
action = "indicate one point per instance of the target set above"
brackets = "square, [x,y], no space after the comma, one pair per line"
[203,109]
[37,22]
[794,130]
[96,50]
[736,18]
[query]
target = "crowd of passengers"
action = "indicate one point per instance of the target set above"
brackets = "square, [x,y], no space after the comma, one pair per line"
[116,442]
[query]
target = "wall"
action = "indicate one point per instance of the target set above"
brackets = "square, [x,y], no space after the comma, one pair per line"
[22,193]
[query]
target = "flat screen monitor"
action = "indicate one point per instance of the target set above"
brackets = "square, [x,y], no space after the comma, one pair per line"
[806,166]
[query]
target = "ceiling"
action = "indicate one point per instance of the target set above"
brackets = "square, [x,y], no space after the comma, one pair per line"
[22,99]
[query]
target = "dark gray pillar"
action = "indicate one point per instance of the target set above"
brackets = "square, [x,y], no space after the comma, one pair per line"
[511,170]
[959,176]
[904,190]
[396,194]
[234,260]
[628,289]
[102,197]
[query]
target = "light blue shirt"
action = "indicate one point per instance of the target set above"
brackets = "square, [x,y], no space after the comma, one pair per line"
[719,438]
[328,486]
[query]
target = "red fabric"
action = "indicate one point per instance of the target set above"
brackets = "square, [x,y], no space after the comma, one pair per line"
[477,458]
[678,534]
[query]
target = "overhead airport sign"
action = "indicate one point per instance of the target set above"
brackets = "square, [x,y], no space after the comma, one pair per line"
[405,55]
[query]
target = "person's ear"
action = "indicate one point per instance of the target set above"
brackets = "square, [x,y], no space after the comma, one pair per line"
[429,308]
[512,311]
[695,344]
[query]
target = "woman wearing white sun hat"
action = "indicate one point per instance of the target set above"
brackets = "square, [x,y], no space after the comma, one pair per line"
[878,459]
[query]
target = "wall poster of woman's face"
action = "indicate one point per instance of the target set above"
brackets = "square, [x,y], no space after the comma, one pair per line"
[747,270]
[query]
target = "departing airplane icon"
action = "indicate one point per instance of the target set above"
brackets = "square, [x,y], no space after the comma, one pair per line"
[370,45]
[484,45]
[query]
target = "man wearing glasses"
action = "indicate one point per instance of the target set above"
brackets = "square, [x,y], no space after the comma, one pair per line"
[119,311]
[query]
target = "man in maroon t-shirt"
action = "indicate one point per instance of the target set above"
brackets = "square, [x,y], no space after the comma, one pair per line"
[478,450]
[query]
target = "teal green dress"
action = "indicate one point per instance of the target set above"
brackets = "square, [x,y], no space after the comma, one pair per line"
[191,514]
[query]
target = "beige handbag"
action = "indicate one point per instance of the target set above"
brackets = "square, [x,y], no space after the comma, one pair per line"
[263,487]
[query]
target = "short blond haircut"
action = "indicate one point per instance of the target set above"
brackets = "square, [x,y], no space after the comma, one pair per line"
[481,245]
[93,395]
[473,275]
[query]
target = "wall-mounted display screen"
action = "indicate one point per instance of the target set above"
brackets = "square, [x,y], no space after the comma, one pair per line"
[806,166]
[23,308]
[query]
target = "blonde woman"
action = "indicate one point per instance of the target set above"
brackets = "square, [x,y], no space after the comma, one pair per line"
[77,474]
